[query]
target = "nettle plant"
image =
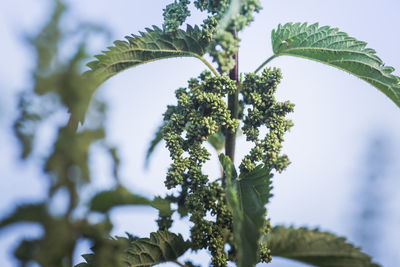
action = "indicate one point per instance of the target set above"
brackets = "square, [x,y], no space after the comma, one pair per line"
[227,213]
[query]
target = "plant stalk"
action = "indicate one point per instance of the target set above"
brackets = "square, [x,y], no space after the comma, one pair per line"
[233,106]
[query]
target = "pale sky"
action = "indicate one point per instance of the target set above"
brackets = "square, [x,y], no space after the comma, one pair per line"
[335,115]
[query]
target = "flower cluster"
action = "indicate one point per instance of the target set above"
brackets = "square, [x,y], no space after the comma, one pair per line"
[264,251]
[175,14]
[223,42]
[200,112]
[258,92]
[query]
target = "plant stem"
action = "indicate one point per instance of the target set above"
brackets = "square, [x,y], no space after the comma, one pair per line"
[233,105]
[177,262]
[265,63]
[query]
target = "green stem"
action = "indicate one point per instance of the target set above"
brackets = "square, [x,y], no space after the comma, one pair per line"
[208,65]
[265,63]
[177,262]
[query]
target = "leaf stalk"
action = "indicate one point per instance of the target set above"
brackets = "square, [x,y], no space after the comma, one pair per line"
[178,263]
[265,63]
[209,66]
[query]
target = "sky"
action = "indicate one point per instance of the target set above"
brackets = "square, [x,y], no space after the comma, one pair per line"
[336,115]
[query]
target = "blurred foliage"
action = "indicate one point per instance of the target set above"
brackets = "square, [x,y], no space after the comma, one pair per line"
[60,86]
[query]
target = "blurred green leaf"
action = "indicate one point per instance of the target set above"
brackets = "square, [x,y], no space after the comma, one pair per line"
[36,213]
[104,201]
[163,206]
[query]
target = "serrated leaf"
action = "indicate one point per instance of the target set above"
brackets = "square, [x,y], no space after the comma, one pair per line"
[89,258]
[317,248]
[329,46]
[162,246]
[105,200]
[151,45]
[154,44]
[247,196]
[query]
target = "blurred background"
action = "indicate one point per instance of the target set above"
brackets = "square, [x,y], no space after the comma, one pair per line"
[344,146]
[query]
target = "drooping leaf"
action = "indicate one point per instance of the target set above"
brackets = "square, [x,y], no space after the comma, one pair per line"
[158,136]
[317,248]
[154,44]
[329,46]
[104,201]
[247,196]
[162,246]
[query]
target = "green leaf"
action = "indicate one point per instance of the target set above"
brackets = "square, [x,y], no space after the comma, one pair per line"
[314,247]
[154,44]
[247,196]
[329,46]
[162,246]
[104,201]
